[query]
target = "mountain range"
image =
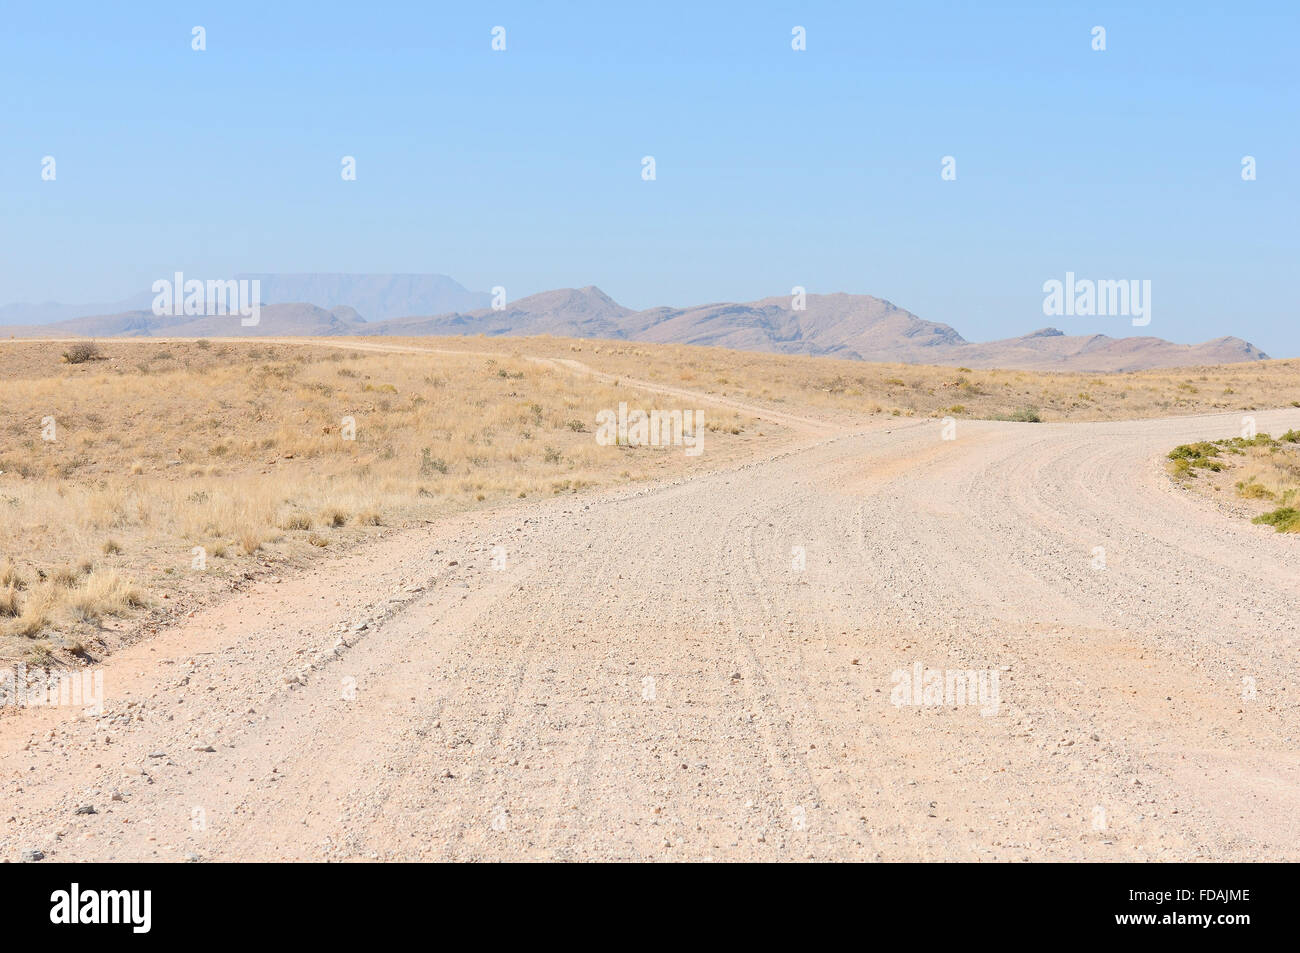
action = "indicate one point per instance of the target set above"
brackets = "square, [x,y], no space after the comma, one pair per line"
[858,327]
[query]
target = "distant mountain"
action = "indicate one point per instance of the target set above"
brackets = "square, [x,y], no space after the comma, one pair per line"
[857,327]
[49,312]
[284,320]
[842,325]
[1050,349]
[570,312]
[377,297]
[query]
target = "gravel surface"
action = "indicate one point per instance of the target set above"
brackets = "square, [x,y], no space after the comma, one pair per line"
[653,676]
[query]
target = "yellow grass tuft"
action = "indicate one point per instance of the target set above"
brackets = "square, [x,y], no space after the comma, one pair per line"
[104,592]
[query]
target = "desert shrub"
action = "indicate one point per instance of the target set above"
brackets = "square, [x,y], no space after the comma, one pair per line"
[1284,520]
[429,464]
[64,576]
[1253,491]
[10,578]
[1025,415]
[81,352]
[41,655]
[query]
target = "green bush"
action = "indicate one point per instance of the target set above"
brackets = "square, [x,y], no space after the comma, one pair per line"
[1284,520]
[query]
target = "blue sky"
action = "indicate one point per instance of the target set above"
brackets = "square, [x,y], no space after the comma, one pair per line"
[775,168]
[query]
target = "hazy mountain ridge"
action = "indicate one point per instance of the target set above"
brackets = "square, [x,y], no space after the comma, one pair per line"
[377,297]
[859,327]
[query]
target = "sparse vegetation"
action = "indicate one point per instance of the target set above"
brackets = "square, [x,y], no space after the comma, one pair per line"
[1024,415]
[1262,470]
[244,451]
[1286,519]
[429,464]
[81,352]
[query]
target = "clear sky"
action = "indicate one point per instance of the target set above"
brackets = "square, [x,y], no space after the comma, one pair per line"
[775,168]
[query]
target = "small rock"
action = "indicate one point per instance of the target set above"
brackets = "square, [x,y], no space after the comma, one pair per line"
[32,855]
[86,809]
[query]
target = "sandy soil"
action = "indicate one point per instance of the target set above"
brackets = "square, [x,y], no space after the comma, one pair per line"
[651,678]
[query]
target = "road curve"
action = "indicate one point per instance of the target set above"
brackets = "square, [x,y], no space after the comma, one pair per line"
[653,676]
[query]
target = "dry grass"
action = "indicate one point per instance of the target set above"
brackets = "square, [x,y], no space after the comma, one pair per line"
[908,390]
[263,454]
[177,468]
[104,593]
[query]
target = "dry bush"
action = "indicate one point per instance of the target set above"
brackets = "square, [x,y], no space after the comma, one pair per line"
[334,516]
[37,610]
[63,576]
[10,578]
[81,352]
[296,521]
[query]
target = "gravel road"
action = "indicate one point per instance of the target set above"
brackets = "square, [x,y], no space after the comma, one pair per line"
[713,669]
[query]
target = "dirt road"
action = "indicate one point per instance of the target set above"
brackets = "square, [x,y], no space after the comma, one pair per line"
[652,675]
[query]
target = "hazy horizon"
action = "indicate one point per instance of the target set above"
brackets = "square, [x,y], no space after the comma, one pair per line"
[774,167]
[142,301]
